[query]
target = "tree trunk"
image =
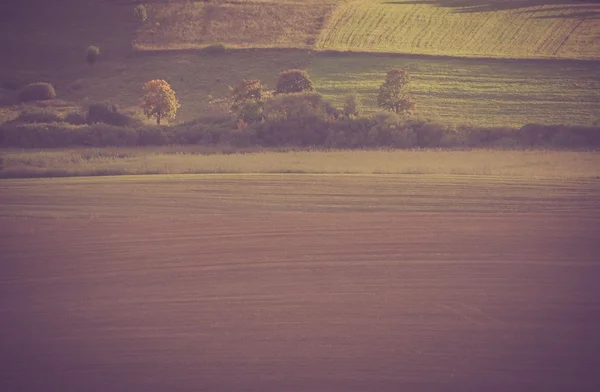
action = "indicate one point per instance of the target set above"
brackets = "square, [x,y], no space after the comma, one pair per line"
[158,119]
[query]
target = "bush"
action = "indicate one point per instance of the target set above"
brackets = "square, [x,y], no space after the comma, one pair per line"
[152,136]
[108,113]
[75,118]
[140,13]
[351,106]
[106,135]
[388,130]
[37,92]
[92,54]
[215,49]
[293,81]
[296,119]
[296,106]
[247,100]
[428,133]
[37,116]
[40,135]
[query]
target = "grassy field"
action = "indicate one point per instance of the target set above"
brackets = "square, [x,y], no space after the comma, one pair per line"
[469,28]
[190,159]
[299,283]
[481,92]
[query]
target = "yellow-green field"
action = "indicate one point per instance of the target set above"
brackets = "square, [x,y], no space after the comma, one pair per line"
[469,28]
[195,159]
[467,91]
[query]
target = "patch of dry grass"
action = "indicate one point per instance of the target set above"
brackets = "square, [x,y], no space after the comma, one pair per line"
[236,24]
[194,159]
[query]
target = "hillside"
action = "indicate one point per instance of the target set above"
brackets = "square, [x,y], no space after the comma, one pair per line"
[467,28]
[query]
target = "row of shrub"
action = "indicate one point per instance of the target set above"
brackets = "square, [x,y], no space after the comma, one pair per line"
[104,112]
[382,130]
[297,119]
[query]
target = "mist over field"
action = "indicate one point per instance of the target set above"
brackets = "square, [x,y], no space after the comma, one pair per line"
[299,195]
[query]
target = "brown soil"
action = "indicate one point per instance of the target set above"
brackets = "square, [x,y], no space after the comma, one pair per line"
[306,283]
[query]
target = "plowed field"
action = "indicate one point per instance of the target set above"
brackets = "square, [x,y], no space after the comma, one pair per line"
[299,283]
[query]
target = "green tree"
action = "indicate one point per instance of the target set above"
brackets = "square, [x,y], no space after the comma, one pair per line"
[92,54]
[247,100]
[293,81]
[159,100]
[391,92]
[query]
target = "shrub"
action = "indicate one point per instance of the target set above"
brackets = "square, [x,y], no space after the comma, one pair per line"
[428,133]
[536,134]
[37,92]
[152,136]
[37,116]
[351,106]
[107,135]
[388,130]
[75,118]
[296,119]
[40,135]
[215,49]
[92,54]
[107,113]
[296,106]
[140,13]
[159,100]
[293,81]
[247,100]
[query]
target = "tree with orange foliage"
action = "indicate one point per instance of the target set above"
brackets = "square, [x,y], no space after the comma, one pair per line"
[159,100]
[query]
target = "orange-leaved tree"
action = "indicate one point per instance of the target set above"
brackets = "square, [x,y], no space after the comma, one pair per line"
[159,100]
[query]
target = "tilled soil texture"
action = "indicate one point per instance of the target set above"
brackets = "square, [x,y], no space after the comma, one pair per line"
[299,283]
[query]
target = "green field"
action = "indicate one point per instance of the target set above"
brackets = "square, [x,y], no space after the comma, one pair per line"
[481,92]
[197,159]
[475,28]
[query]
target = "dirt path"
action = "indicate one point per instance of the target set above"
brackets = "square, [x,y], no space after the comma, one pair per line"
[299,283]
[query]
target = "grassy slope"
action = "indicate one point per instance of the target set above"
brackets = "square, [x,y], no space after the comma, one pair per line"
[178,160]
[470,28]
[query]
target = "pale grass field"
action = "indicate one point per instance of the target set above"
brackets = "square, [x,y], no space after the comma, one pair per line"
[526,29]
[535,164]
[246,24]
